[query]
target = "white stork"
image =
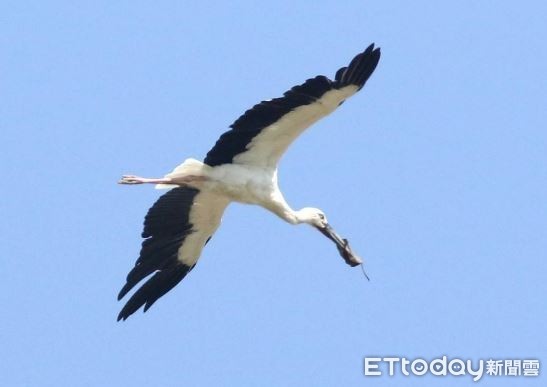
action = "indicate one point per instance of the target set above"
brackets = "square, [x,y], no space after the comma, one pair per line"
[241,167]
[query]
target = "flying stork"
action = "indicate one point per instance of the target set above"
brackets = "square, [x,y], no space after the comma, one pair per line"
[241,167]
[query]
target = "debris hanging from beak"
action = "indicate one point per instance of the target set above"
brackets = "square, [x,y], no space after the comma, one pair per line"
[343,247]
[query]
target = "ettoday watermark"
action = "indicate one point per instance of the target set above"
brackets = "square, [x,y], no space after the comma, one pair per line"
[443,366]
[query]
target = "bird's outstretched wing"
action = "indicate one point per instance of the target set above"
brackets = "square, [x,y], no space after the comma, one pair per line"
[261,135]
[176,228]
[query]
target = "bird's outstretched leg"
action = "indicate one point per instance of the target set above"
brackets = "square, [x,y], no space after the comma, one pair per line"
[175,180]
[132,179]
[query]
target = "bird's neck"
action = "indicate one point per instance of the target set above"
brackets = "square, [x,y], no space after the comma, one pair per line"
[287,214]
[284,211]
[279,206]
[291,217]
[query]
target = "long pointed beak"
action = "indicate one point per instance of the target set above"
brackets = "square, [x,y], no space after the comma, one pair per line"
[343,246]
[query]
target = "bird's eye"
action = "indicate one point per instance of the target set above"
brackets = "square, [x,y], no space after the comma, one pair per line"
[321,216]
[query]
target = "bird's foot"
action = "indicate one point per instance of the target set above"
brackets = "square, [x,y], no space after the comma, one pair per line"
[132,179]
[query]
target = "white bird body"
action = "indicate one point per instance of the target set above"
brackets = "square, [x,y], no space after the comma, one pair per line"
[241,183]
[241,167]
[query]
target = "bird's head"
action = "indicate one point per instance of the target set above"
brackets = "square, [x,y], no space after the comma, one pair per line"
[312,216]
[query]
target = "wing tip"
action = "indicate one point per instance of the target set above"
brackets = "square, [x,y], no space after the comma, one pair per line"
[360,68]
[152,290]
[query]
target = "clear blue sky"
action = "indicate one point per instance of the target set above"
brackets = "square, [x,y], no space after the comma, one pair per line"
[436,172]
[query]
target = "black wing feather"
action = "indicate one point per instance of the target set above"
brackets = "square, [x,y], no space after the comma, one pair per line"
[159,284]
[166,225]
[359,70]
[262,115]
